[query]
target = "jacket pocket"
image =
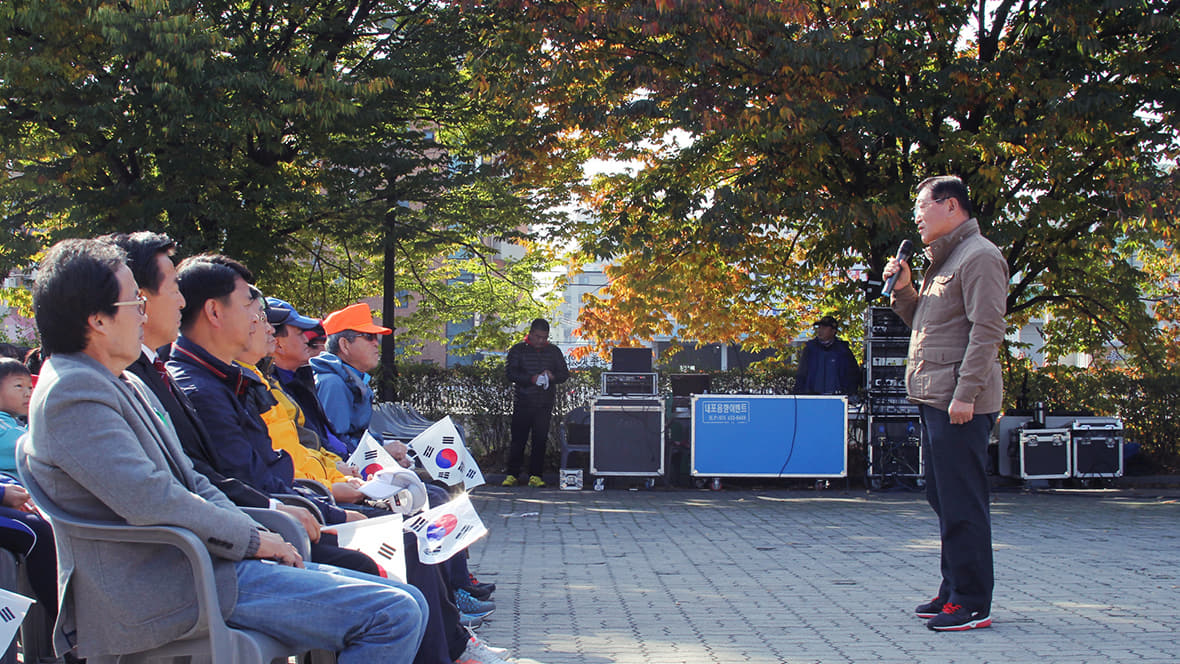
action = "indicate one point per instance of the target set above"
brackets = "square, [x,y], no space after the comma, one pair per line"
[935,373]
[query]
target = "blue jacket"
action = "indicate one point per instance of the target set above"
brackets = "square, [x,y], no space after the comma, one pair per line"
[241,444]
[346,397]
[10,431]
[827,370]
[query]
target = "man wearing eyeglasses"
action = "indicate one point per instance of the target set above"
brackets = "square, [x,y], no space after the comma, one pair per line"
[953,374]
[342,371]
[101,447]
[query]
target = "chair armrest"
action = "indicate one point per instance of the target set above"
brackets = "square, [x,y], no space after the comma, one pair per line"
[300,501]
[315,487]
[185,540]
[285,525]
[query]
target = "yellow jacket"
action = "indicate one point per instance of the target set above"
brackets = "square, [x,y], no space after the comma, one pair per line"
[281,420]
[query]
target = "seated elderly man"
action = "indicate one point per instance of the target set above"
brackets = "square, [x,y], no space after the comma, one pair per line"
[149,255]
[342,371]
[298,339]
[221,312]
[100,447]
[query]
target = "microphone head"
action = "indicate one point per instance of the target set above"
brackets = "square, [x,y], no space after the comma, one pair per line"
[905,250]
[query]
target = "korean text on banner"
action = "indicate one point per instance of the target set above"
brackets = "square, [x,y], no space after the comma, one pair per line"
[381,538]
[446,530]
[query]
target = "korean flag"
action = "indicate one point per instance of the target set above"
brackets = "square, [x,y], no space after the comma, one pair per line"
[441,452]
[370,456]
[446,530]
[13,608]
[380,538]
[472,475]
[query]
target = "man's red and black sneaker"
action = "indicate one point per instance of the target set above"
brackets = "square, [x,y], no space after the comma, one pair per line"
[957,618]
[930,609]
[479,590]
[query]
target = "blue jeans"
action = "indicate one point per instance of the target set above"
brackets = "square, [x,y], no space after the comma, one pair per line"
[364,618]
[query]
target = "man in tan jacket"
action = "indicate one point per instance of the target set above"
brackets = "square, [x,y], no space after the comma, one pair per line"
[953,374]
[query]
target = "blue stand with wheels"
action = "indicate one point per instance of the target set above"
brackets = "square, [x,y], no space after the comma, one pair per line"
[740,435]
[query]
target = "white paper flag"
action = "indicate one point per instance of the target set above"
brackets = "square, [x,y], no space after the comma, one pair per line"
[441,451]
[472,475]
[381,538]
[370,456]
[446,530]
[13,608]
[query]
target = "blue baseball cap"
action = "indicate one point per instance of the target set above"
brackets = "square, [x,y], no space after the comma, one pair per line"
[279,312]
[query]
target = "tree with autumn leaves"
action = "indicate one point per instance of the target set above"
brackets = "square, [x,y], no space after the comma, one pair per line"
[773,147]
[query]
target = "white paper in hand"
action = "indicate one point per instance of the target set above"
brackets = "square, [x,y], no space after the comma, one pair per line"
[446,530]
[380,538]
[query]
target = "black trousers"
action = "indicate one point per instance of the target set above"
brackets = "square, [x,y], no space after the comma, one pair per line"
[957,489]
[445,639]
[27,534]
[529,418]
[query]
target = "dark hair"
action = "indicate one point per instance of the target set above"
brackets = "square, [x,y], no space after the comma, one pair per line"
[142,247]
[11,367]
[207,277]
[75,280]
[34,359]
[13,351]
[947,186]
[539,324]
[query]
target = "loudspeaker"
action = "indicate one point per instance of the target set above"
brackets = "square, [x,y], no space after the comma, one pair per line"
[627,437]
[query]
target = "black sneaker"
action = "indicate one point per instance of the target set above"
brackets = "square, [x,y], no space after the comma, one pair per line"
[930,609]
[957,618]
[489,588]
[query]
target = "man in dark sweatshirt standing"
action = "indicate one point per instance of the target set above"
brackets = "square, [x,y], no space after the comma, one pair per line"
[535,366]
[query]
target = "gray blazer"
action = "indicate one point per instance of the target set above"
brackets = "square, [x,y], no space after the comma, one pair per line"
[99,453]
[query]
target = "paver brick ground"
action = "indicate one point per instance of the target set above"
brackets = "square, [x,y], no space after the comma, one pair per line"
[666,577]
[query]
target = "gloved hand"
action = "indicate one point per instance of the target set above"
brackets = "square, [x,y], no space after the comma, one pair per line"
[543,381]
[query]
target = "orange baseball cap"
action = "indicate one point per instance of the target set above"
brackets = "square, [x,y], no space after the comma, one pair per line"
[357,317]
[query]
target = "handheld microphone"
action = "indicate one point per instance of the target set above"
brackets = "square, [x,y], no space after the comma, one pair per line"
[904,251]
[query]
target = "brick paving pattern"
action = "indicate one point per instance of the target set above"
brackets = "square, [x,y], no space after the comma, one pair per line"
[778,576]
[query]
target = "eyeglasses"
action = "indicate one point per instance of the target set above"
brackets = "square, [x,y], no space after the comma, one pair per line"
[922,205]
[367,336]
[140,302]
[316,343]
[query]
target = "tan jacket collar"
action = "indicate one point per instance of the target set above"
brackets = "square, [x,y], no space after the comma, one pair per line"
[943,246]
